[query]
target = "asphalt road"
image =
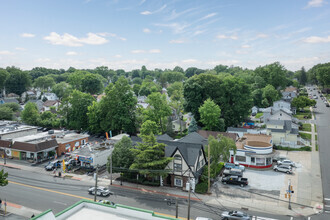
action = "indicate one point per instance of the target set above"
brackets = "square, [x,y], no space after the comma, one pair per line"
[322,114]
[42,192]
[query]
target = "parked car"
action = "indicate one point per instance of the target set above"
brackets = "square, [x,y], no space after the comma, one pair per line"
[235,166]
[286,162]
[327,104]
[279,158]
[315,97]
[283,168]
[53,165]
[233,172]
[100,191]
[235,180]
[72,162]
[235,215]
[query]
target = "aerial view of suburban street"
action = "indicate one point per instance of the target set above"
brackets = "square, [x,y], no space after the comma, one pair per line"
[167,109]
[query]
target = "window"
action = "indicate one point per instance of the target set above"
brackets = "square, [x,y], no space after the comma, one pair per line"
[253,159]
[260,161]
[240,158]
[268,161]
[177,163]
[177,181]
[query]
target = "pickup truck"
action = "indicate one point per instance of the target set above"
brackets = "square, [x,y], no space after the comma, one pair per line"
[235,180]
[235,166]
[233,172]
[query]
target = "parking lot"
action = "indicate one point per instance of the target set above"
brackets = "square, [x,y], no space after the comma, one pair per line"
[270,185]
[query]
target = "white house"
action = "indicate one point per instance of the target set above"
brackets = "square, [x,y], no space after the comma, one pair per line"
[289,93]
[254,150]
[281,104]
[49,96]
[50,103]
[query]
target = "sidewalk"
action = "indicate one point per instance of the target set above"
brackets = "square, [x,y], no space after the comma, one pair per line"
[259,205]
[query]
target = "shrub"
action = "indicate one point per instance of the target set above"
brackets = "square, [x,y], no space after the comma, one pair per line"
[201,187]
[305,148]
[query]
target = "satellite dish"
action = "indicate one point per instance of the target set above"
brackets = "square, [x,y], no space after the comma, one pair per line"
[8,152]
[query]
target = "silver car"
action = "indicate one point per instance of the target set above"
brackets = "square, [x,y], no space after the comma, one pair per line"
[283,168]
[235,215]
[286,162]
[101,191]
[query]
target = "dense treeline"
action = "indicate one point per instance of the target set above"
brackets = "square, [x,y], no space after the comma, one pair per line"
[232,90]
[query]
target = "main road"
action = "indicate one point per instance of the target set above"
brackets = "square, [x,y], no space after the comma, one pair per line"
[43,192]
[322,114]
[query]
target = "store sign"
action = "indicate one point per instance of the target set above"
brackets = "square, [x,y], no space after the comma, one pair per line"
[86,160]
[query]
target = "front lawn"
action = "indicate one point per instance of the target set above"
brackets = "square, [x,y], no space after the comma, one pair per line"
[304,115]
[307,127]
[259,114]
[305,136]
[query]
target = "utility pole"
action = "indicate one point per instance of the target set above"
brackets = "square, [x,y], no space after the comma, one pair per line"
[289,192]
[176,207]
[95,189]
[208,169]
[111,168]
[189,195]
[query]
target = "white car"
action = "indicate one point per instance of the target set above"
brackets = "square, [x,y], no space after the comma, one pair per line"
[101,191]
[286,162]
[283,168]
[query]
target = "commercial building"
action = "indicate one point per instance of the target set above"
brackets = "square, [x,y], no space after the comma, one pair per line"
[68,142]
[254,150]
[10,130]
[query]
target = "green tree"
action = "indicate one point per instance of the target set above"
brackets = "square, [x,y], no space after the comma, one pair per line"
[122,155]
[118,108]
[18,81]
[220,149]
[178,69]
[75,79]
[149,127]
[302,101]
[148,87]
[49,120]
[62,90]
[92,84]
[149,157]
[12,105]
[136,89]
[158,110]
[3,77]
[270,94]
[172,77]
[273,74]
[176,86]
[192,126]
[44,82]
[323,75]
[210,115]
[303,76]
[6,113]
[3,178]
[30,114]
[94,118]
[76,109]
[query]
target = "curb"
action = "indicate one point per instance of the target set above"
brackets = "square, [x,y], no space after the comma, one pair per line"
[10,166]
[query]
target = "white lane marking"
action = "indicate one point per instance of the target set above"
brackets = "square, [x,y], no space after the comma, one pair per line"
[291,218]
[326,205]
[328,199]
[309,218]
[62,203]
[327,211]
[264,218]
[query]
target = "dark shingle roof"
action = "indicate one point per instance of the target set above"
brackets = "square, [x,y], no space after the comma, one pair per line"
[24,146]
[164,137]
[194,138]
[206,134]
[232,129]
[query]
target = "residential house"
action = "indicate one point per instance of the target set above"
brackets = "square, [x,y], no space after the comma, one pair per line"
[47,105]
[289,93]
[12,96]
[39,103]
[8,100]
[31,94]
[87,209]
[282,105]
[254,150]
[49,96]
[142,101]
[176,125]
[188,117]
[254,110]
[193,138]
[284,132]
[242,131]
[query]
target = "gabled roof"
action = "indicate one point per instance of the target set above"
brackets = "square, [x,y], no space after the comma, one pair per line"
[290,89]
[10,100]
[206,134]
[194,138]
[50,103]
[164,137]
[275,122]
[232,129]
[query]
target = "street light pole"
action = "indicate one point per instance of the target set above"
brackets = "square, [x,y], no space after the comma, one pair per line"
[289,193]
[95,189]
[189,195]
[176,207]
[111,168]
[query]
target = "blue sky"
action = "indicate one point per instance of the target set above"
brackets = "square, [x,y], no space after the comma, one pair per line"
[126,34]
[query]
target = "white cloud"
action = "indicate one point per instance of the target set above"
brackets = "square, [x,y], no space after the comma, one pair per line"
[42,60]
[190,61]
[106,34]
[154,12]
[72,41]
[223,36]
[208,16]
[176,27]
[5,52]
[154,51]
[176,41]
[315,39]
[315,3]
[146,30]
[146,13]
[117,56]
[262,36]
[198,32]
[145,51]
[20,49]
[28,35]
[246,46]
[71,53]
